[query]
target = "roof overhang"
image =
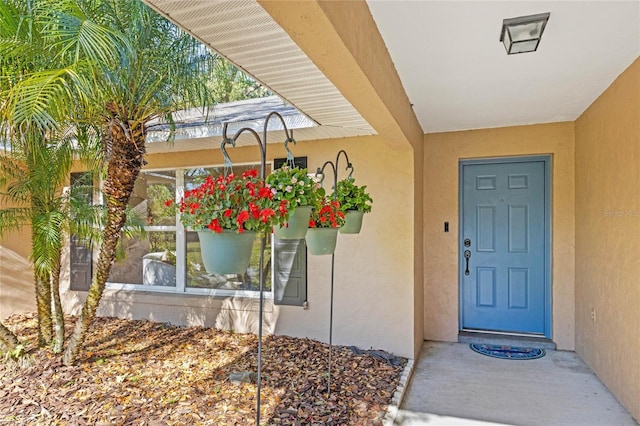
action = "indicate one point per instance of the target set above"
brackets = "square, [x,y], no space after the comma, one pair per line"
[244,33]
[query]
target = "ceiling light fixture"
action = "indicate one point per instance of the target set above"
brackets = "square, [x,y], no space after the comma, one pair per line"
[523,34]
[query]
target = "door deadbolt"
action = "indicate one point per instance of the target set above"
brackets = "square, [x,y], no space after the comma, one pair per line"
[467,242]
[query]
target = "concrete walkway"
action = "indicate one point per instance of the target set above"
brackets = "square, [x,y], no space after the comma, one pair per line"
[452,385]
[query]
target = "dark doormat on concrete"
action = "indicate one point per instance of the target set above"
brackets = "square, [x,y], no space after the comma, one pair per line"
[507,352]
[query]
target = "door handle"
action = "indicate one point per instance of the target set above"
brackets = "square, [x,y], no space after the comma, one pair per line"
[467,256]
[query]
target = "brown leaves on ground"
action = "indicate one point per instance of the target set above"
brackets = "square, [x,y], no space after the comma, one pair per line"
[146,373]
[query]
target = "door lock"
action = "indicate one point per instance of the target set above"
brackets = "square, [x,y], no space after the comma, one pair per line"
[467,242]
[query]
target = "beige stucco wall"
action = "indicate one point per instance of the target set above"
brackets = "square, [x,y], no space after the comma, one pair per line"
[441,158]
[608,237]
[16,279]
[374,271]
[418,230]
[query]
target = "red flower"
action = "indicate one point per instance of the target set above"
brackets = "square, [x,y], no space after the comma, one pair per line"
[312,223]
[327,214]
[283,208]
[230,202]
[266,214]
[255,210]
[242,218]
[265,192]
[168,203]
[250,173]
[215,226]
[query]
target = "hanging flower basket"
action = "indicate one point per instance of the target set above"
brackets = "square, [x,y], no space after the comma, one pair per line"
[297,225]
[326,219]
[227,212]
[227,252]
[354,201]
[299,191]
[352,222]
[321,241]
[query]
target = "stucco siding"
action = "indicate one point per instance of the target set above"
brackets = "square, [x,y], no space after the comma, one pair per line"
[442,154]
[374,271]
[607,237]
[17,293]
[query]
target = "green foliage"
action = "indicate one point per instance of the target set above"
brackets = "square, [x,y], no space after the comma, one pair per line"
[326,214]
[295,186]
[232,203]
[353,197]
[159,213]
[229,84]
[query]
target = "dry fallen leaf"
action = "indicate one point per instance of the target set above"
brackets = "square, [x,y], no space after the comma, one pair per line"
[146,373]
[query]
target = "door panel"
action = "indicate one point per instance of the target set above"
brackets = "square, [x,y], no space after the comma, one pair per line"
[503,216]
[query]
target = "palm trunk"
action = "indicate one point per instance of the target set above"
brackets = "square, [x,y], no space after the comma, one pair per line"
[57,306]
[7,338]
[43,307]
[125,162]
[41,281]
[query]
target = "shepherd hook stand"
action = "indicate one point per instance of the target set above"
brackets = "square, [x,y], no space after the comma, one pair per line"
[320,172]
[262,143]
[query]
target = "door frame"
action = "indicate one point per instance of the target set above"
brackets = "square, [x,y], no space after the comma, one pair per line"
[546,159]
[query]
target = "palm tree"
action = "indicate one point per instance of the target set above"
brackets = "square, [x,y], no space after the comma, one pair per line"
[160,70]
[35,167]
[34,174]
[23,53]
[60,66]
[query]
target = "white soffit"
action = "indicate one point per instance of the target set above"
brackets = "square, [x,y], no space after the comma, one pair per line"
[458,75]
[243,32]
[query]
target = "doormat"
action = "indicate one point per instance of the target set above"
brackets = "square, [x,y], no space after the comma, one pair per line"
[507,352]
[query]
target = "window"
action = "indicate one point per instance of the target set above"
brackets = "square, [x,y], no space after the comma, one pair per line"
[149,259]
[166,257]
[197,277]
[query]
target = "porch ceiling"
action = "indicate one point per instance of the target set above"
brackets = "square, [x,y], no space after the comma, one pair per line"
[243,32]
[458,75]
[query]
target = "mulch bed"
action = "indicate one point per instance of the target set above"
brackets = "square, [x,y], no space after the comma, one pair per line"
[146,373]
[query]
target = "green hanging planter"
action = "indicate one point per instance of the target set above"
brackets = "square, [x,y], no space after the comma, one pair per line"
[298,224]
[321,240]
[227,252]
[353,222]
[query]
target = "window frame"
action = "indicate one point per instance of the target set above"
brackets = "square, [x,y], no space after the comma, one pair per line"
[181,287]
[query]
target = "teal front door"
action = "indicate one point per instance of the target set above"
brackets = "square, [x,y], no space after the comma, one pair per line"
[503,265]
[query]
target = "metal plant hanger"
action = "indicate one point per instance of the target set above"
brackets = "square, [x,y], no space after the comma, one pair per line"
[320,172]
[262,144]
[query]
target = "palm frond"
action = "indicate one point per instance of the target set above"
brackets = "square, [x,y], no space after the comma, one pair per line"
[13,219]
[40,99]
[72,32]
[48,239]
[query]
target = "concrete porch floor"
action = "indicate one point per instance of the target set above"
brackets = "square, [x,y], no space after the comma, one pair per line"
[452,385]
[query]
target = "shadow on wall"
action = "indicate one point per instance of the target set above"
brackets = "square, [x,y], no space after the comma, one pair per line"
[242,315]
[16,283]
